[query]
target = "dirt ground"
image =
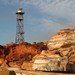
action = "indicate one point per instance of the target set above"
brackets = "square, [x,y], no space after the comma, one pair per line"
[21,72]
[18,71]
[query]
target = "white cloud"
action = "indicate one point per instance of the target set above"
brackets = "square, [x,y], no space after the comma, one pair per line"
[61,8]
[17,2]
[56,7]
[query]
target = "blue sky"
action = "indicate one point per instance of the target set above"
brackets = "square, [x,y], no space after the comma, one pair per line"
[42,18]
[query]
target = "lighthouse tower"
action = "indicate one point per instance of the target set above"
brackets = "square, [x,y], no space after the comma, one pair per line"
[20,26]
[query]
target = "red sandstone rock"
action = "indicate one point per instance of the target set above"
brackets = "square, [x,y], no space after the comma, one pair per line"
[23,51]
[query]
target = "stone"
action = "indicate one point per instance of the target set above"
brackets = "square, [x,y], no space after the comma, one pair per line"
[49,63]
[63,37]
[63,43]
[14,64]
[1,61]
[21,52]
[27,65]
[4,71]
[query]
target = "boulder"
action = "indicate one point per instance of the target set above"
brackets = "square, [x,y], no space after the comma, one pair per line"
[49,62]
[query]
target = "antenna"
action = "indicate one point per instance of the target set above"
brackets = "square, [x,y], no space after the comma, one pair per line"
[19,3]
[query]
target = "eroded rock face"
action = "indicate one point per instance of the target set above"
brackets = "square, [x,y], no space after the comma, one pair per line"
[3,51]
[16,54]
[22,52]
[64,43]
[27,65]
[49,62]
[14,64]
[60,55]
[63,37]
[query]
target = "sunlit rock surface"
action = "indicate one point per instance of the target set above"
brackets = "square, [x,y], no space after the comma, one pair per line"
[49,62]
[63,37]
[27,65]
[62,45]
[21,52]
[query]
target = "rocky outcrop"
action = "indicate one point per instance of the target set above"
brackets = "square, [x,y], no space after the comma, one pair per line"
[64,44]
[58,54]
[40,45]
[49,62]
[62,38]
[16,54]
[22,52]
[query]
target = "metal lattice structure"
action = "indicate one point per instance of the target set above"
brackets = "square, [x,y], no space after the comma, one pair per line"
[20,26]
